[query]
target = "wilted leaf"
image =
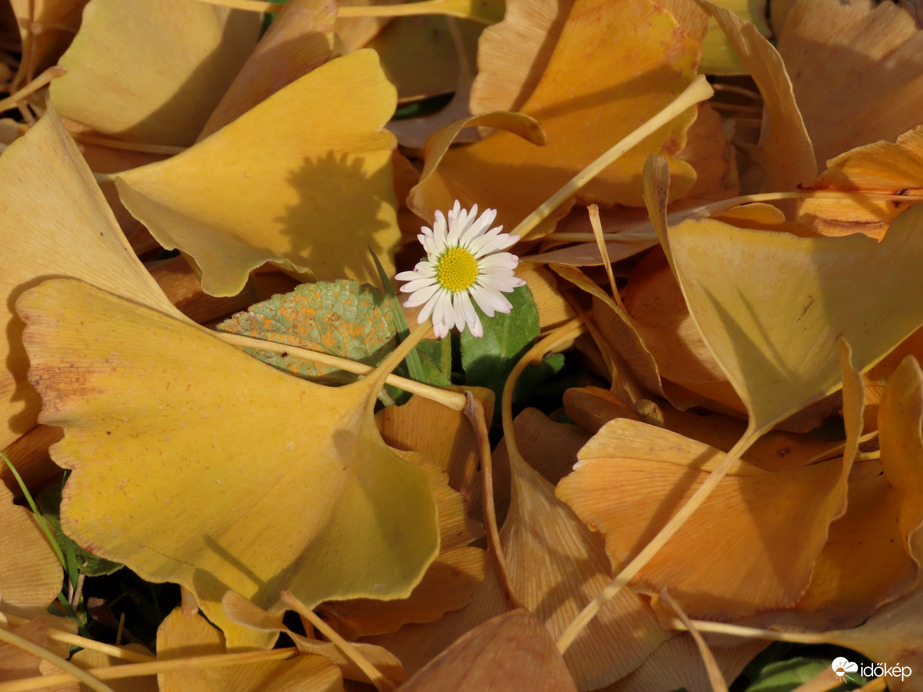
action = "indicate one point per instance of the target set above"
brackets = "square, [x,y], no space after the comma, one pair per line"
[343,318]
[210,489]
[152,70]
[302,181]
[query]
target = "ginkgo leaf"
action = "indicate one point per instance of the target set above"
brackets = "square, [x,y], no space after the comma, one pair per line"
[628,468]
[132,72]
[344,318]
[863,82]
[257,482]
[302,181]
[587,100]
[511,652]
[874,170]
[774,309]
[299,39]
[185,636]
[42,47]
[30,574]
[784,149]
[55,222]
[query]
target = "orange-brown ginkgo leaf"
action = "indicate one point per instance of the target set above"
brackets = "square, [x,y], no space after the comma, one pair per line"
[194,463]
[784,149]
[55,222]
[882,168]
[615,66]
[152,70]
[511,652]
[855,71]
[882,522]
[745,526]
[188,636]
[302,181]
[771,306]
[556,565]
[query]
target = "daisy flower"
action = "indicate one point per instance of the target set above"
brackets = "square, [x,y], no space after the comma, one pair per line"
[463,261]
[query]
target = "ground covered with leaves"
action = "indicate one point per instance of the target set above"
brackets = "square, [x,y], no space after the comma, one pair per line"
[282,410]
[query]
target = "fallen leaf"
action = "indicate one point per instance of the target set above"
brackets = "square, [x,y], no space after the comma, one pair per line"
[583,90]
[320,164]
[512,651]
[132,73]
[182,474]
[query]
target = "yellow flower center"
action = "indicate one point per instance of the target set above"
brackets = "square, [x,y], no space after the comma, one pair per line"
[456,270]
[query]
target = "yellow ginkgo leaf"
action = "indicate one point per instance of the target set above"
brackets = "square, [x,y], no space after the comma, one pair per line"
[771,306]
[303,181]
[152,70]
[196,464]
[590,97]
[55,222]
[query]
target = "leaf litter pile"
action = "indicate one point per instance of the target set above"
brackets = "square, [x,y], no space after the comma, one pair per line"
[262,432]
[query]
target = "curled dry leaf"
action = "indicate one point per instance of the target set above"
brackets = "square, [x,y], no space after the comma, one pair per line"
[181,473]
[321,164]
[882,168]
[784,149]
[131,71]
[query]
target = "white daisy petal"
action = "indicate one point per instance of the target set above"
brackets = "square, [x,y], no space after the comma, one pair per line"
[465,261]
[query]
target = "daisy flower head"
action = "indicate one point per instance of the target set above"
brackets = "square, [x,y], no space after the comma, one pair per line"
[464,261]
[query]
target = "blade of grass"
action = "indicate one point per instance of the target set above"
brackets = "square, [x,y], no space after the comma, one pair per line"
[38,516]
[414,366]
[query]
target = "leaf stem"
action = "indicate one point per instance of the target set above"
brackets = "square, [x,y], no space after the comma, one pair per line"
[409,9]
[698,90]
[40,652]
[454,400]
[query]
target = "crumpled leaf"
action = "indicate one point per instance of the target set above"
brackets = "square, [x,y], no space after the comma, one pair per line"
[784,149]
[192,489]
[131,71]
[882,168]
[583,89]
[182,635]
[512,651]
[302,181]
[55,221]
[343,318]
[777,340]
